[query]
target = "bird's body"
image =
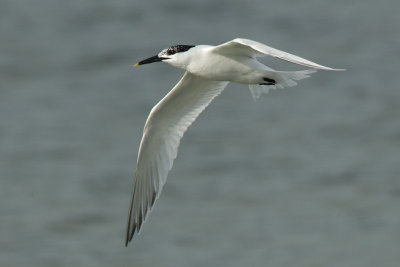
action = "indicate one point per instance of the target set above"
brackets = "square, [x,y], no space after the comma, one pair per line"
[216,67]
[208,70]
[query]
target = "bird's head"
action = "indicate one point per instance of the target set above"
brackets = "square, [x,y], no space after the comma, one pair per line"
[176,55]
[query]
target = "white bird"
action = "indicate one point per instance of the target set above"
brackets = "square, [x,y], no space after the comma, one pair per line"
[208,70]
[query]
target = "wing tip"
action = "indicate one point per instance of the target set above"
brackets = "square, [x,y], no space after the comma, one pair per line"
[333,69]
[130,233]
[134,223]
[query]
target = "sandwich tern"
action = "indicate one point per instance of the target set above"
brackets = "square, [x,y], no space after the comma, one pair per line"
[208,71]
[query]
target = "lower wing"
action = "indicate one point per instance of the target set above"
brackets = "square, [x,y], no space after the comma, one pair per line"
[164,128]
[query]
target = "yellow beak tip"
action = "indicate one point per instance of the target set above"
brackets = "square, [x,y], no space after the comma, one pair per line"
[137,64]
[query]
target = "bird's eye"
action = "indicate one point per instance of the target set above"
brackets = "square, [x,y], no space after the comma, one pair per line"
[171,51]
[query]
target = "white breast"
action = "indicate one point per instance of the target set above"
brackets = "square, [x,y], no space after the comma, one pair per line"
[217,67]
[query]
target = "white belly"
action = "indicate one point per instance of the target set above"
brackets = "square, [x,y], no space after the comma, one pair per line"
[220,68]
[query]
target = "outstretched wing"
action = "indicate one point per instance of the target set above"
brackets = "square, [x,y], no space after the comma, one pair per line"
[251,48]
[164,128]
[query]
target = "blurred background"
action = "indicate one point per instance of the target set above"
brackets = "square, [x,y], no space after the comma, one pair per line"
[306,176]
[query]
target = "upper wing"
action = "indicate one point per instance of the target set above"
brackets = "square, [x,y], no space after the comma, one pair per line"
[251,48]
[164,128]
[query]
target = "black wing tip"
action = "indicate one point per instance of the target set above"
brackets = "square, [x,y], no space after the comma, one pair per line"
[130,233]
[127,241]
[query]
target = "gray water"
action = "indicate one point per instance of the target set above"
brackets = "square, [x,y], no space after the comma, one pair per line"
[306,176]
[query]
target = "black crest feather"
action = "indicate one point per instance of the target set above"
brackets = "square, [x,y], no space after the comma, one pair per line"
[178,48]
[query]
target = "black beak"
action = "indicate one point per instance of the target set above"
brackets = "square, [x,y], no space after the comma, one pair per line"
[150,60]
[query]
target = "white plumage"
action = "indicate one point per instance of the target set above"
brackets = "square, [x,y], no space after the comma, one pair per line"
[208,70]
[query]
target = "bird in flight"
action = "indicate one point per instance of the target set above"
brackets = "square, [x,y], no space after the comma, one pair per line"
[208,71]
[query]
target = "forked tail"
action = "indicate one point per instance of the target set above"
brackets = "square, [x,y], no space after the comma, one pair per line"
[282,79]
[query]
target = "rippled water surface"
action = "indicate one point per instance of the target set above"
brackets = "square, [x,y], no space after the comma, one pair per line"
[307,176]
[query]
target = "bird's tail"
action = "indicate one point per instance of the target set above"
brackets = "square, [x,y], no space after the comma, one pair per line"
[281,79]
